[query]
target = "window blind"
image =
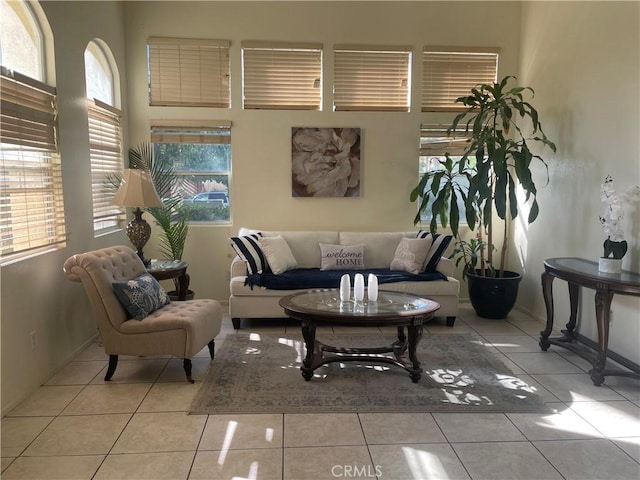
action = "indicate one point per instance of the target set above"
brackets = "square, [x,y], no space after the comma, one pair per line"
[188,72]
[105,152]
[175,131]
[282,76]
[449,73]
[435,142]
[372,78]
[31,201]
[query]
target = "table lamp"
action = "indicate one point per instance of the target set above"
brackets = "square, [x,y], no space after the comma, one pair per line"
[137,190]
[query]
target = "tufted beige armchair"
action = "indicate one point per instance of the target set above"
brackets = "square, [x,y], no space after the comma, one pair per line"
[181,329]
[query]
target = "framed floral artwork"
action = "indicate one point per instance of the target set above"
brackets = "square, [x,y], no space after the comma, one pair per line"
[325,162]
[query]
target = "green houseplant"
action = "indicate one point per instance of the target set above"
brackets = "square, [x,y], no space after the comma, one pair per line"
[171,217]
[496,162]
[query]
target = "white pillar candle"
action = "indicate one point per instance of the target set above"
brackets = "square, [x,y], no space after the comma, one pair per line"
[372,288]
[345,288]
[358,288]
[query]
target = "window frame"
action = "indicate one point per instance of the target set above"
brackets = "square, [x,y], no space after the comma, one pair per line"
[179,72]
[451,72]
[105,154]
[105,141]
[364,75]
[278,76]
[35,33]
[434,144]
[32,217]
[97,51]
[176,132]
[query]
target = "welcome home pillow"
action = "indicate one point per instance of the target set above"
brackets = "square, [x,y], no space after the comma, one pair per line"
[411,254]
[438,246]
[278,254]
[341,257]
[141,296]
[248,249]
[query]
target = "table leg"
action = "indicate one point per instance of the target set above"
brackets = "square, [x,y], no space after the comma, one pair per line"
[603,304]
[402,338]
[415,334]
[183,286]
[309,335]
[547,293]
[574,298]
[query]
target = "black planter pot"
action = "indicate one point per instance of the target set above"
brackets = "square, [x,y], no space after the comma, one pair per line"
[493,297]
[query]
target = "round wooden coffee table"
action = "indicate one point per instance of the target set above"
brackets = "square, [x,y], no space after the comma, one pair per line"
[323,307]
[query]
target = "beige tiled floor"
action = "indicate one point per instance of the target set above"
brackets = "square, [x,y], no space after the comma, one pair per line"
[76,426]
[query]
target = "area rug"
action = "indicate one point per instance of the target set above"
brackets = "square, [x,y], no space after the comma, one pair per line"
[261,374]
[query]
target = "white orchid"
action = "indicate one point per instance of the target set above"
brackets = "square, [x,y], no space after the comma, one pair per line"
[612,217]
[611,220]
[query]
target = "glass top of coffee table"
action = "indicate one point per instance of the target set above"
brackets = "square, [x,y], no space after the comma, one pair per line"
[327,303]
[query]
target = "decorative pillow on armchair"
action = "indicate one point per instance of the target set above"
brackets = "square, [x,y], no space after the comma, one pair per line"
[411,254]
[141,296]
[341,257]
[438,247]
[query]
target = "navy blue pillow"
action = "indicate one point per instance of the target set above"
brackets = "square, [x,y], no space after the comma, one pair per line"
[141,296]
[438,247]
[248,249]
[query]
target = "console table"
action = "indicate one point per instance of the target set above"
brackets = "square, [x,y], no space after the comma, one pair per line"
[578,272]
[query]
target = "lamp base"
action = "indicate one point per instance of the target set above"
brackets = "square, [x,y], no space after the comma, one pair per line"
[139,232]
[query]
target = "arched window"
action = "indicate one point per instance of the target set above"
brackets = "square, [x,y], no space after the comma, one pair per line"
[98,73]
[31,200]
[105,138]
[21,40]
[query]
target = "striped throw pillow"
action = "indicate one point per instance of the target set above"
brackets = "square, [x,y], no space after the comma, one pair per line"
[438,247]
[248,249]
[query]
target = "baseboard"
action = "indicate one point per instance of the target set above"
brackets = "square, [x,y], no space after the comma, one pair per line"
[7,408]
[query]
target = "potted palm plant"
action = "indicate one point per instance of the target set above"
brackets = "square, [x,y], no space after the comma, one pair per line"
[172,218]
[496,162]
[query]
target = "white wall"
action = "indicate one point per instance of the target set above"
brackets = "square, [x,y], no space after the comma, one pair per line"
[583,60]
[261,151]
[35,295]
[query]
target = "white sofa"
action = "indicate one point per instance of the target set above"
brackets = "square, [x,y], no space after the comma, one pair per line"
[247,301]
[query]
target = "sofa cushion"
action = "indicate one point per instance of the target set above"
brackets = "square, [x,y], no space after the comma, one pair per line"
[278,254]
[438,247]
[305,245]
[141,295]
[341,257]
[410,255]
[379,247]
[248,248]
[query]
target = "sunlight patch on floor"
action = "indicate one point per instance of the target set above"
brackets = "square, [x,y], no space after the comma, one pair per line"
[253,473]
[228,438]
[424,464]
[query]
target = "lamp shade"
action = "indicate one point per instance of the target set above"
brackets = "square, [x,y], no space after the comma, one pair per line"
[136,190]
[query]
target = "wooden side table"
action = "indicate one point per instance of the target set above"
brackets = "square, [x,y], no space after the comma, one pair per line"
[171,269]
[578,272]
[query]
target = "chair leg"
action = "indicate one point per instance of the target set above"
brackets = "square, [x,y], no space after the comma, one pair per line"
[211,345]
[451,321]
[187,369]
[113,363]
